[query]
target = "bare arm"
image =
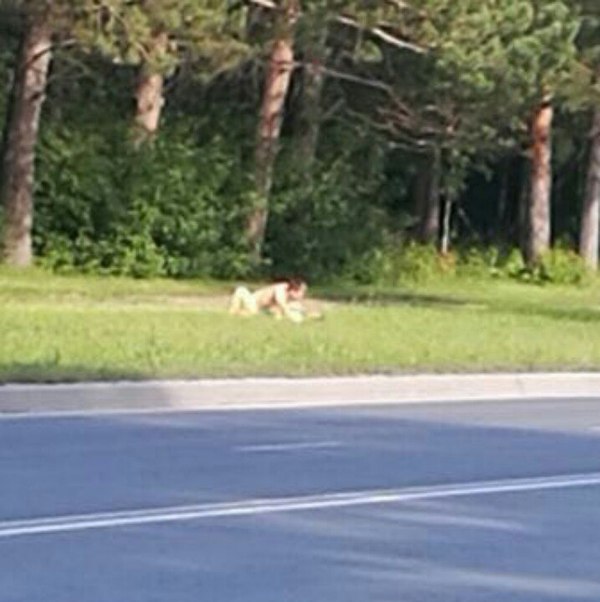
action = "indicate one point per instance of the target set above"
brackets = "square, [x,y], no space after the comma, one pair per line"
[282,306]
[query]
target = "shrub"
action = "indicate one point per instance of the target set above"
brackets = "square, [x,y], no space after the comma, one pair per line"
[513,265]
[395,263]
[319,228]
[476,262]
[562,266]
[173,209]
[559,265]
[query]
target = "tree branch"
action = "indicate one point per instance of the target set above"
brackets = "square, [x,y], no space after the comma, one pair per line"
[378,32]
[383,35]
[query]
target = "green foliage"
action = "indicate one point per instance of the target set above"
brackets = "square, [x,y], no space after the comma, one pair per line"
[481,263]
[129,32]
[173,209]
[488,63]
[317,228]
[560,266]
[178,208]
[5,59]
[395,263]
[79,329]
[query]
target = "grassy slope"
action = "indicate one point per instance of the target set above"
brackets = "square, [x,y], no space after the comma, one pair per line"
[55,328]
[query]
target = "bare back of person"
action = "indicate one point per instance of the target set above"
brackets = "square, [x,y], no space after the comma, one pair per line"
[282,299]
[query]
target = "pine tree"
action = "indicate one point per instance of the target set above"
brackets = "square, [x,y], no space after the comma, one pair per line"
[589,44]
[156,35]
[21,130]
[277,82]
[487,67]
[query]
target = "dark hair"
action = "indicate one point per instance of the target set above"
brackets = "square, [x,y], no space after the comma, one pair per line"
[294,283]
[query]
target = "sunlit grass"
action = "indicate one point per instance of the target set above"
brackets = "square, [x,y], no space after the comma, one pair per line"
[94,328]
[19,285]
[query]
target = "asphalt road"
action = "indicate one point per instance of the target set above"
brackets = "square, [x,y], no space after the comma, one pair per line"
[465,502]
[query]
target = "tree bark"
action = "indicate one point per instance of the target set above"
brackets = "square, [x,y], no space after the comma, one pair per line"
[538,232]
[279,74]
[590,216]
[149,93]
[428,201]
[446,223]
[18,162]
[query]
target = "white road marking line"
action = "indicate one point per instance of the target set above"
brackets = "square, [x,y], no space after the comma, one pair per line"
[62,524]
[283,447]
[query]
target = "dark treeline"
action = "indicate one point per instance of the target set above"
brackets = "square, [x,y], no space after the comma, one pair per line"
[321,137]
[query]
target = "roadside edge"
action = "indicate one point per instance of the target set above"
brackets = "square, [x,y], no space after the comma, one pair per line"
[255,393]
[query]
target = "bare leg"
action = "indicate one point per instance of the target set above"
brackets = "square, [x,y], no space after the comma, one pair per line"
[242,302]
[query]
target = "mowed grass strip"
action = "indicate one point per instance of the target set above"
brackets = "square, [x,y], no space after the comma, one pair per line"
[104,329]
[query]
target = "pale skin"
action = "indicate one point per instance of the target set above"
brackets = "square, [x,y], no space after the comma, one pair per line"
[282,299]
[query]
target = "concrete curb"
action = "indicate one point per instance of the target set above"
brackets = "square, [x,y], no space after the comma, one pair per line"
[253,393]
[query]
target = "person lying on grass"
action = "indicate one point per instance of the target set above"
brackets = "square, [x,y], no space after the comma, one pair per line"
[283,299]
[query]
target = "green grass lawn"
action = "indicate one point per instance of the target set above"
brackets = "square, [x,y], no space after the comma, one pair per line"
[77,328]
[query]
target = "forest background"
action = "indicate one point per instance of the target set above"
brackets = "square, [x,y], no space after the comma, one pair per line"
[428,159]
[328,138]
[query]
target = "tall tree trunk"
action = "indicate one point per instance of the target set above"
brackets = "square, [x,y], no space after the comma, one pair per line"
[149,93]
[446,223]
[428,200]
[590,216]
[279,74]
[538,234]
[18,162]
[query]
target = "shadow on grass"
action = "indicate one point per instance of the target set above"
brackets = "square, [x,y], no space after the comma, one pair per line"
[555,313]
[390,298]
[580,314]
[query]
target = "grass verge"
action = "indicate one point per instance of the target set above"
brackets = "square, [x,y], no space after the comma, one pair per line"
[78,328]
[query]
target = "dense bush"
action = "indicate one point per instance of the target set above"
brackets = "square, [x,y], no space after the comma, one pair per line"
[175,208]
[318,227]
[399,262]
[5,61]
[178,209]
[561,265]
[396,262]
